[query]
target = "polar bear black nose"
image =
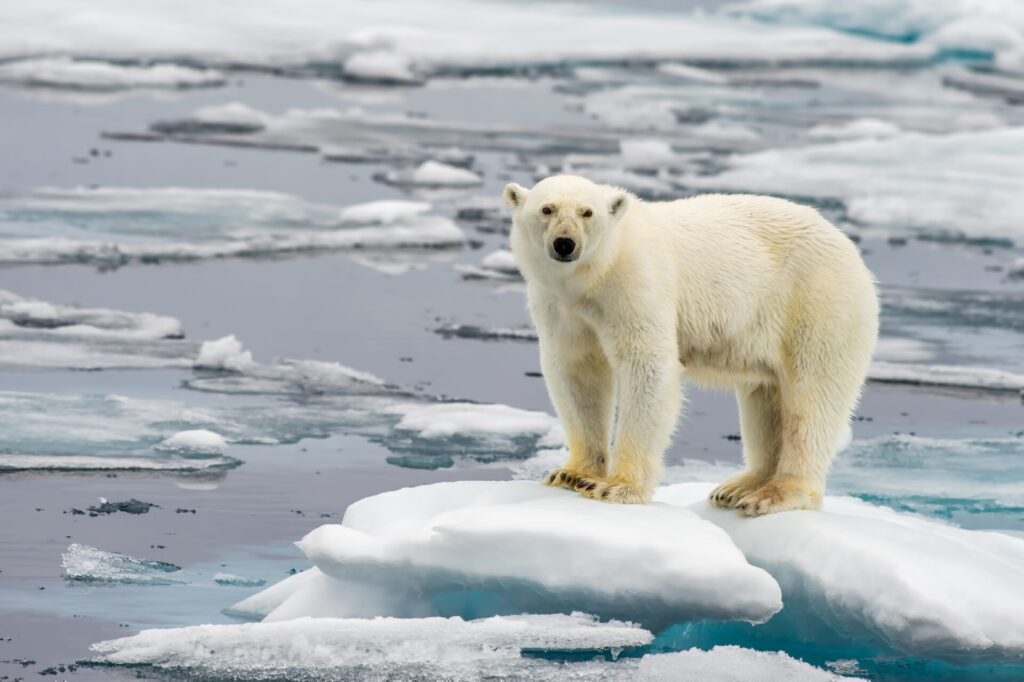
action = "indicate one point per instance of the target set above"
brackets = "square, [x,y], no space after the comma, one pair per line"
[564,246]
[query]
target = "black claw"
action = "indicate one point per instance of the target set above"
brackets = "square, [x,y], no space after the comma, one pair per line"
[604,495]
[591,486]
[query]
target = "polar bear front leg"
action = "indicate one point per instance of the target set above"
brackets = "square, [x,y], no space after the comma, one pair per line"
[649,398]
[580,382]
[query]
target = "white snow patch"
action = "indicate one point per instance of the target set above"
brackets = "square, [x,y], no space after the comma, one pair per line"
[411,551]
[194,442]
[954,376]
[499,265]
[446,420]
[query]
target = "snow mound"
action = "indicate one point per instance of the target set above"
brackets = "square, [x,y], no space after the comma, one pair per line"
[64,72]
[384,212]
[194,443]
[224,353]
[434,174]
[479,548]
[917,586]
[381,67]
[89,564]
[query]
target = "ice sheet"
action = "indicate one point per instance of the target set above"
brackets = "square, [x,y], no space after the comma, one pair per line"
[471,548]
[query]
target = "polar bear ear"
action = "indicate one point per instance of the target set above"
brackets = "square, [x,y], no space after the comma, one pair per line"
[618,205]
[515,195]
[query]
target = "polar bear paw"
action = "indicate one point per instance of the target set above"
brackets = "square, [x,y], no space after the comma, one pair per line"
[614,490]
[565,478]
[779,494]
[735,488]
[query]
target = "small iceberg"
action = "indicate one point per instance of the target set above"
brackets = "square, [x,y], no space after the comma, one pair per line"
[89,564]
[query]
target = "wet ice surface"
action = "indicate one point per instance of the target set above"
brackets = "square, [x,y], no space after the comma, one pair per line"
[253,383]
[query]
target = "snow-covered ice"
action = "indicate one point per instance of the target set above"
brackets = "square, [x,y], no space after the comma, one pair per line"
[117,225]
[499,265]
[89,564]
[871,574]
[508,547]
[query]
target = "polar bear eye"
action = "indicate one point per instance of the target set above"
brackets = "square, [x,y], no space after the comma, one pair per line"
[546,210]
[588,213]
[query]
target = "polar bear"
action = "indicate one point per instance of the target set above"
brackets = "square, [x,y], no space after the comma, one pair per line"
[749,292]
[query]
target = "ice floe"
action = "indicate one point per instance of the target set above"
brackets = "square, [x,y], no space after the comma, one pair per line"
[868,573]
[194,442]
[117,225]
[433,174]
[508,547]
[967,185]
[89,564]
[64,72]
[439,649]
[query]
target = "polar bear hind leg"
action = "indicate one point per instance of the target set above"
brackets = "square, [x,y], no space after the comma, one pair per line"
[761,431]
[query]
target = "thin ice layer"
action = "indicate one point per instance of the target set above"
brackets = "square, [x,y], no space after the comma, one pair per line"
[117,225]
[89,564]
[472,547]
[906,583]
[101,76]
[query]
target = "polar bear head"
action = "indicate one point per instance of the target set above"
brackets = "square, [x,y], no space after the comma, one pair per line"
[566,218]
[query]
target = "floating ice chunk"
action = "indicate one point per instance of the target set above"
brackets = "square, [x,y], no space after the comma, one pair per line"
[381,67]
[471,331]
[856,129]
[384,648]
[289,377]
[1016,268]
[383,212]
[86,322]
[953,376]
[967,185]
[982,34]
[232,113]
[194,443]
[258,606]
[501,547]
[224,353]
[649,152]
[498,265]
[43,462]
[920,587]
[89,564]
[237,580]
[434,174]
[64,72]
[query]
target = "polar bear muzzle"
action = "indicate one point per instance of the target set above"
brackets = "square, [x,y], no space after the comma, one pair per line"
[564,249]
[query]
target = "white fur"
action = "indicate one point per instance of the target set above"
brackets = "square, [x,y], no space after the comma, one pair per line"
[750,292]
